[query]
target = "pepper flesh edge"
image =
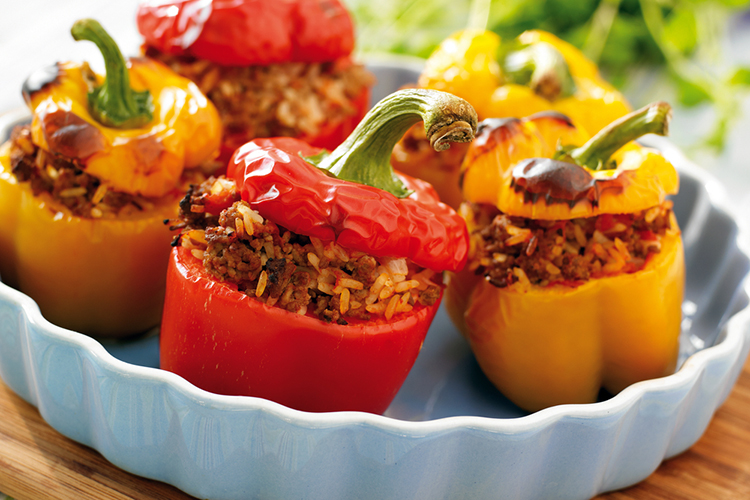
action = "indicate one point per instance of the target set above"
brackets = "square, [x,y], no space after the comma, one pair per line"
[556,345]
[226,342]
[101,277]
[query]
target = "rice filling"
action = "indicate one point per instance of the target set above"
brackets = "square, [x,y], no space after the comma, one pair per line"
[298,273]
[511,250]
[287,99]
[64,179]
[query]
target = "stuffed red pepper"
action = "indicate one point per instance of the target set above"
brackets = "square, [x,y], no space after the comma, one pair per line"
[271,68]
[310,278]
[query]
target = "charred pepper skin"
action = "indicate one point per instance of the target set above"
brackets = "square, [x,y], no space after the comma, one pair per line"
[493,171]
[224,341]
[102,276]
[559,344]
[184,133]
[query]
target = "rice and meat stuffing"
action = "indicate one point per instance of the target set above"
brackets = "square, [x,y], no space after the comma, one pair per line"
[286,99]
[298,273]
[543,252]
[83,194]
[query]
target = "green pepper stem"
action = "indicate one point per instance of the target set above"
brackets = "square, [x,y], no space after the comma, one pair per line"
[364,157]
[114,103]
[651,119]
[541,67]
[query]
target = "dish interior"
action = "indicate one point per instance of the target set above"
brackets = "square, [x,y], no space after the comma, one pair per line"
[446,381]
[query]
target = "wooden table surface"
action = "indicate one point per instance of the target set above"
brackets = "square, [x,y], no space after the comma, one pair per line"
[36,462]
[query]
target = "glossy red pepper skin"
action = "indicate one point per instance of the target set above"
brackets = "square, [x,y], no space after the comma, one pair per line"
[276,181]
[248,32]
[226,342]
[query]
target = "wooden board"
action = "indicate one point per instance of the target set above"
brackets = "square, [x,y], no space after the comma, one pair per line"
[38,463]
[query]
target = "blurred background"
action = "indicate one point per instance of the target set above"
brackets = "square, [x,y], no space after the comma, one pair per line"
[693,53]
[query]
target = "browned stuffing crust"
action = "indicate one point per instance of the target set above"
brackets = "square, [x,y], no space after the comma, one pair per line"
[292,271]
[288,99]
[509,249]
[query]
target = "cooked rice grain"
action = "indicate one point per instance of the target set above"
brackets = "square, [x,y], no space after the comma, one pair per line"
[293,271]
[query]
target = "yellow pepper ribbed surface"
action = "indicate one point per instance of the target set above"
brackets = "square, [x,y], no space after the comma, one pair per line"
[103,277]
[99,268]
[543,346]
[467,64]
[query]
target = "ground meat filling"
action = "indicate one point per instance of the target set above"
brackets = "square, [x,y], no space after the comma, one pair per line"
[538,252]
[288,99]
[301,274]
[63,178]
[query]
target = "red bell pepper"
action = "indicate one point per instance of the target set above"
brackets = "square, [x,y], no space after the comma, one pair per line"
[248,32]
[243,33]
[239,346]
[225,341]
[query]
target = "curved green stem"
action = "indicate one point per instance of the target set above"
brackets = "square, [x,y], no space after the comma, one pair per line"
[541,67]
[114,103]
[364,157]
[595,154]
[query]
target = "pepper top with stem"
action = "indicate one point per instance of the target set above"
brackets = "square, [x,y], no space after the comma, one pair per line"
[158,135]
[553,177]
[595,154]
[567,176]
[542,68]
[348,199]
[114,103]
[364,157]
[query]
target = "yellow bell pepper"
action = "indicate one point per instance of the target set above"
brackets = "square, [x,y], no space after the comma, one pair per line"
[102,273]
[466,64]
[642,177]
[103,277]
[553,343]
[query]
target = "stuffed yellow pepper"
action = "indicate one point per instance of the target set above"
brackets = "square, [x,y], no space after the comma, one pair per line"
[576,272]
[535,72]
[84,188]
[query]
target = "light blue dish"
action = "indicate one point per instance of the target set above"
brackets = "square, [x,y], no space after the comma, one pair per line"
[448,433]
